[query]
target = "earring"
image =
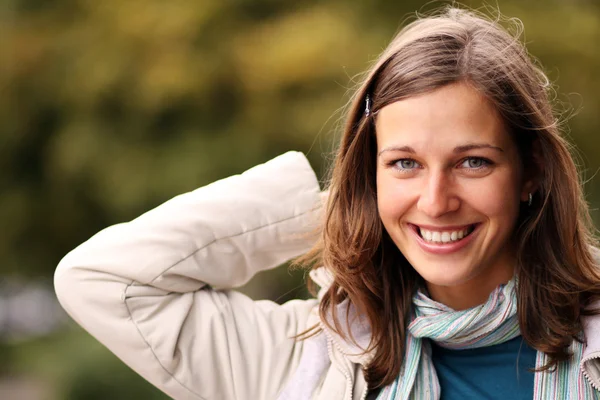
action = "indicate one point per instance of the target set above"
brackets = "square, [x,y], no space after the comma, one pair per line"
[530,199]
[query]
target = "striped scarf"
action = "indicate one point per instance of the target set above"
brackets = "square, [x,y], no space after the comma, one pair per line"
[491,323]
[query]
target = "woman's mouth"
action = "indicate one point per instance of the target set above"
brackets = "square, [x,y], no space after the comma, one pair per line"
[445,236]
[445,240]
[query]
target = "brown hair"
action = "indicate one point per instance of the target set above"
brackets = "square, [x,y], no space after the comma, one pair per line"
[557,274]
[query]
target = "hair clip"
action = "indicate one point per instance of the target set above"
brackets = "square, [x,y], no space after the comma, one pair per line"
[367,106]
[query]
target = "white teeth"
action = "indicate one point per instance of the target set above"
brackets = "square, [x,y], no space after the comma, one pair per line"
[443,236]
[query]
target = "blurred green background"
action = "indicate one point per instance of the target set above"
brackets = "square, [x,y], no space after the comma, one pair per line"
[108,108]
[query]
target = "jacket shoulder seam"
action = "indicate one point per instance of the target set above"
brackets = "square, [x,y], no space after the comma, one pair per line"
[228,237]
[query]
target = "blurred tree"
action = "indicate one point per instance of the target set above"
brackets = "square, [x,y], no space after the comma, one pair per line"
[110,108]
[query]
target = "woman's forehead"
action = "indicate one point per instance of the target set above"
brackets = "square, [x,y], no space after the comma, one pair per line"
[455,115]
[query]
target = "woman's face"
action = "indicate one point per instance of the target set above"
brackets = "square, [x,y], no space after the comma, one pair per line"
[449,184]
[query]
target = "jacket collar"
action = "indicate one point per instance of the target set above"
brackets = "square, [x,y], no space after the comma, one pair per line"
[359,329]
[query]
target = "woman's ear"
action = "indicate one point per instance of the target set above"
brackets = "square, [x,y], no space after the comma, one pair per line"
[529,186]
[533,171]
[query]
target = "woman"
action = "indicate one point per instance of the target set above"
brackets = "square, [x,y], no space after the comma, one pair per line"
[455,255]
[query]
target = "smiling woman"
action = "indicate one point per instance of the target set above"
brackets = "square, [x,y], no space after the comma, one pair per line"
[456,222]
[443,156]
[455,256]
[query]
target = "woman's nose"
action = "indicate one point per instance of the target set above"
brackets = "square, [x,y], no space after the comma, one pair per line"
[438,196]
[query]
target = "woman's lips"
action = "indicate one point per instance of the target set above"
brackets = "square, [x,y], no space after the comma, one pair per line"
[444,248]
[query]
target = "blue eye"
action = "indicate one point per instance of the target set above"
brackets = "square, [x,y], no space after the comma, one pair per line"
[475,163]
[406,163]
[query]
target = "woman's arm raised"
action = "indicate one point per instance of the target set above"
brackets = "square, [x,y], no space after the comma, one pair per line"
[145,288]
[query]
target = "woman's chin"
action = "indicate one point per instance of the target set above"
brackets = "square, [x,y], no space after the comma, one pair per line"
[446,281]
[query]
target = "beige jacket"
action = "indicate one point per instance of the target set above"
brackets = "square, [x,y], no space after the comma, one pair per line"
[156,291]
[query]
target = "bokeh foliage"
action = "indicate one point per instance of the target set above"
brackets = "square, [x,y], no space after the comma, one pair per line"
[108,108]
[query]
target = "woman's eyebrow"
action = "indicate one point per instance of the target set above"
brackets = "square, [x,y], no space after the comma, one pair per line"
[406,149]
[458,149]
[473,146]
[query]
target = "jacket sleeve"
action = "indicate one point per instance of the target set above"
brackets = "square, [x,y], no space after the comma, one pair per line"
[155,290]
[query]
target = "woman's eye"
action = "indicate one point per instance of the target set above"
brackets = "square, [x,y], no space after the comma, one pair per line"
[406,163]
[474,163]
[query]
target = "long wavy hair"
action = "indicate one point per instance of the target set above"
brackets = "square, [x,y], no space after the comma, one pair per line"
[558,279]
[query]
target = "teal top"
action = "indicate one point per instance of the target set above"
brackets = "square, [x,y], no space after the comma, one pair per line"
[501,371]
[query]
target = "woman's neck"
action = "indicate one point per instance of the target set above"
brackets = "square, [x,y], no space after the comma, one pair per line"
[473,292]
